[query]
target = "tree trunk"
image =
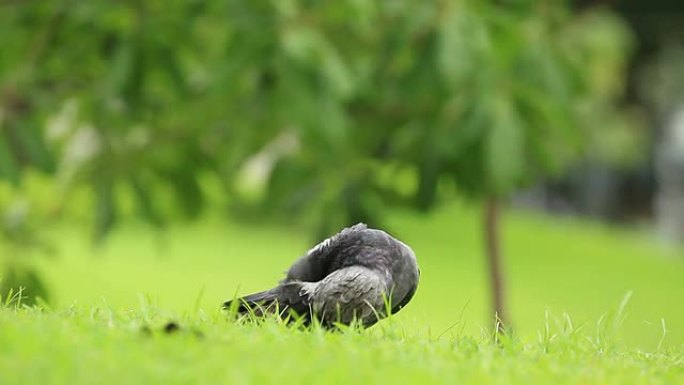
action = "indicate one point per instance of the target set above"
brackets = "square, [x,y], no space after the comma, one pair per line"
[491,234]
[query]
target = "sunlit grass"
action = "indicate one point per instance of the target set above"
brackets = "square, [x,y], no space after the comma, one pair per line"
[589,305]
[99,344]
[557,265]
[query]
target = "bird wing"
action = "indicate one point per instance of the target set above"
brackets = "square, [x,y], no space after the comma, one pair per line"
[349,293]
[313,266]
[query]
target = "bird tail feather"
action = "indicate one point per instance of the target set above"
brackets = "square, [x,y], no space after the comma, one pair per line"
[276,300]
[257,302]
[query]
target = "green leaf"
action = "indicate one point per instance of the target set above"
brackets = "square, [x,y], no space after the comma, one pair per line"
[312,50]
[105,208]
[463,43]
[145,203]
[291,186]
[505,160]
[8,167]
[428,176]
[33,146]
[187,192]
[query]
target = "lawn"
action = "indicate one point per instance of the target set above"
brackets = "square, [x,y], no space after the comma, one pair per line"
[99,345]
[590,304]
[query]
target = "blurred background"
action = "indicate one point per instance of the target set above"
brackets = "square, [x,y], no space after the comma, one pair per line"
[191,150]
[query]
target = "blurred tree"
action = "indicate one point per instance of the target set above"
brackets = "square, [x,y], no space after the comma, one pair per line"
[124,95]
[343,108]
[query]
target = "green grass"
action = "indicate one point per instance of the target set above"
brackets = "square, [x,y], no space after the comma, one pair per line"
[589,304]
[97,344]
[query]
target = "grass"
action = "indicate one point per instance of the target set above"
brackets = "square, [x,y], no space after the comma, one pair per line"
[97,344]
[590,304]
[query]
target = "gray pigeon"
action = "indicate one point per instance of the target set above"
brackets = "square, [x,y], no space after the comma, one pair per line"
[358,273]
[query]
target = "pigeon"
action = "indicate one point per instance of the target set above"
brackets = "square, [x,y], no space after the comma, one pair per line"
[357,275]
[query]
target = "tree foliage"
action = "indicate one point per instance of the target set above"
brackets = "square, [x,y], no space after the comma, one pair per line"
[381,102]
